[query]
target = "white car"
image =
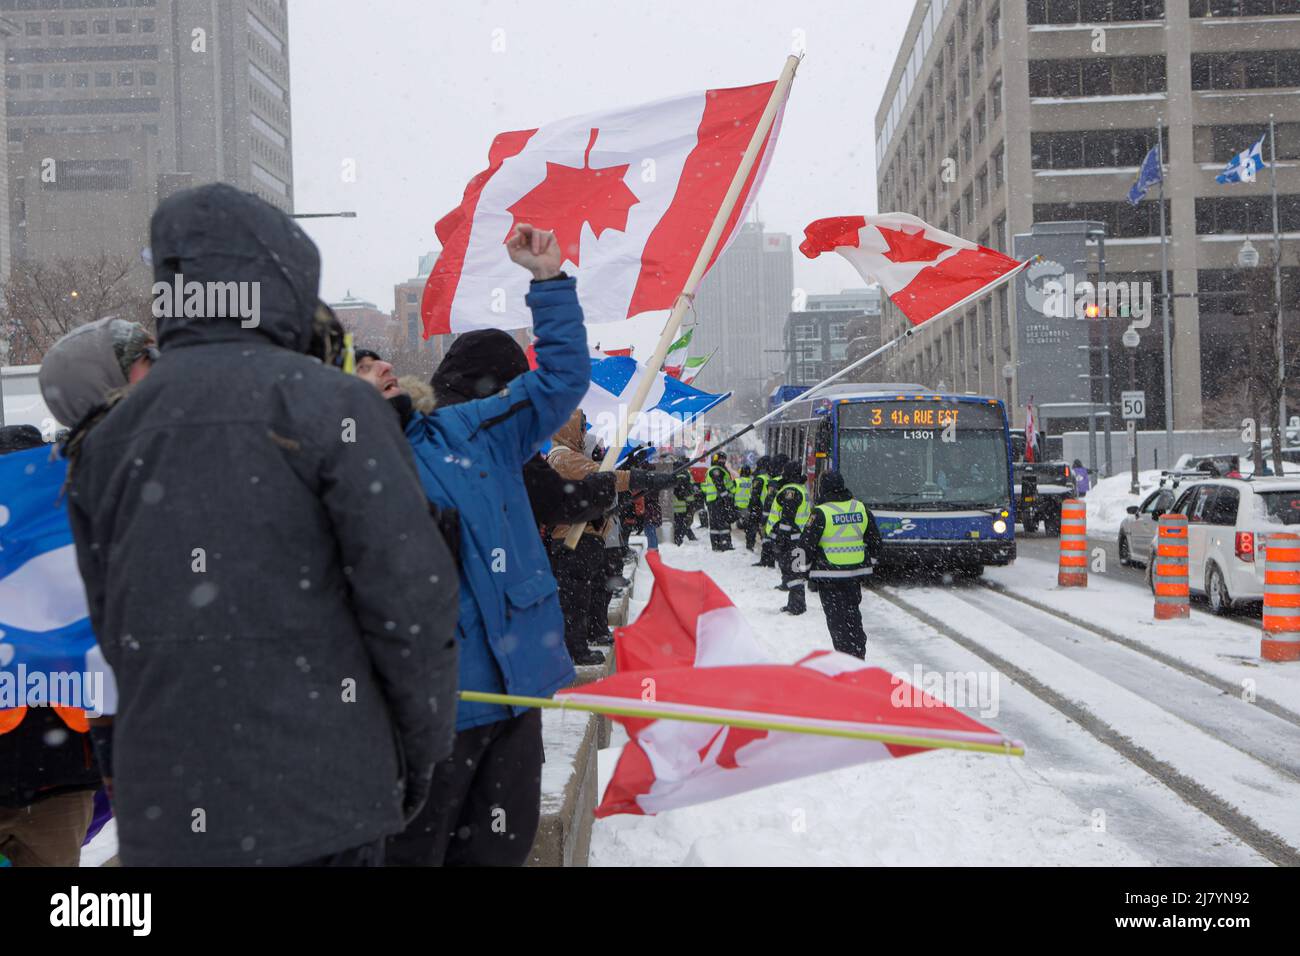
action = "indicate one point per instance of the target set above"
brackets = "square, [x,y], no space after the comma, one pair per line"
[1228,524]
[1138,530]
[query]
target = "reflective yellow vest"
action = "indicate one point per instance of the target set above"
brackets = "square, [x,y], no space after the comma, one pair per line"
[800,517]
[743,488]
[843,539]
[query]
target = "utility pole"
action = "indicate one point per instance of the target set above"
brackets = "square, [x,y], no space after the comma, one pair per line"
[1103,303]
[1164,300]
[1279,436]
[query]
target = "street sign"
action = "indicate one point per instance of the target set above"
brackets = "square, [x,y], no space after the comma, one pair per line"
[1130,338]
[1134,406]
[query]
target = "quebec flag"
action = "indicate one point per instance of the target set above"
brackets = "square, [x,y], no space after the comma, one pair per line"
[1243,167]
[669,406]
[48,653]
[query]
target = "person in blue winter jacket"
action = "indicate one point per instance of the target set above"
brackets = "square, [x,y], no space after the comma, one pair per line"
[483,808]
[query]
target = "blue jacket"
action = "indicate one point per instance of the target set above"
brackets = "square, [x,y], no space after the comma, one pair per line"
[470,457]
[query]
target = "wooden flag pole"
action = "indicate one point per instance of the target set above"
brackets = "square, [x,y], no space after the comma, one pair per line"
[748,721]
[669,333]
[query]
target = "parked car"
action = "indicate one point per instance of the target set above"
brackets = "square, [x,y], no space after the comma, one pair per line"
[1138,530]
[1228,524]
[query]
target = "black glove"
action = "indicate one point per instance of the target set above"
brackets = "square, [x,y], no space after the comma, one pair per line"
[651,481]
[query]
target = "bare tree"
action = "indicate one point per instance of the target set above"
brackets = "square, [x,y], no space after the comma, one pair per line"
[43,301]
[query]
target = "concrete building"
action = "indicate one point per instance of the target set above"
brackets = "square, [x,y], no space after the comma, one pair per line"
[371,327]
[111,105]
[830,332]
[1000,113]
[740,310]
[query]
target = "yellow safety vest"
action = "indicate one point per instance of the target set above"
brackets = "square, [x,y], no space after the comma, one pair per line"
[743,489]
[843,539]
[800,517]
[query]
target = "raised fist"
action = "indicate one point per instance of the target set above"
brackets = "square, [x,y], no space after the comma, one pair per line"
[536,250]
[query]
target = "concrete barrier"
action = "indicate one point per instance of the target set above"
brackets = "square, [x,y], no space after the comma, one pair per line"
[569,776]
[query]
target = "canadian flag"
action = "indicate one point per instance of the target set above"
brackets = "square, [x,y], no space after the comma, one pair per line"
[631,196]
[691,654]
[924,271]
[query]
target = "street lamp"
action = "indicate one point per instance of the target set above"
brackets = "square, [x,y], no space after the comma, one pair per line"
[1131,342]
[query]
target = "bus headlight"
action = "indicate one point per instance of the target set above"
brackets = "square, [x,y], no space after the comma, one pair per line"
[1000,526]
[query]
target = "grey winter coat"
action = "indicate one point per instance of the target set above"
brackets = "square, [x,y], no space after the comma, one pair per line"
[262,573]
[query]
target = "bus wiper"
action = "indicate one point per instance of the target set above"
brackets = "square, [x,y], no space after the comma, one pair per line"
[915,494]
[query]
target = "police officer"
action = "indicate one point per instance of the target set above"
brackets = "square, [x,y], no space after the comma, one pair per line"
[683,496]
[785,520]
[763,505]
[719,487]
[744,493]
[839,545]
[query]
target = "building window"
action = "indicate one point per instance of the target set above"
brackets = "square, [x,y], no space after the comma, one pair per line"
[79,27]
[1094,11]
[1246,215]
[103,79]
[58,80]
[123,26]
[101,27]
[982,185]
[147,25]
[1093,149]
[13,81]
[148,78]
[966,143]
[126,78]
[999,237]
[977,59]
[33,28]
[968,201]
[999,173]
[56,28]
[1218,144]
[995,26]
[35,81]
[1241,8]
[963,80]
[1247,70]
[995,95]
[81,80]
[1110,76]
[1122,220]
[981,123]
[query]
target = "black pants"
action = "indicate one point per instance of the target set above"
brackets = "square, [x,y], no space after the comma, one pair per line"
[367,854]
[796,601]
[720,524]
[682,527]
[842,604]
[580,574]
[485,802]
[783,548]
[767,554]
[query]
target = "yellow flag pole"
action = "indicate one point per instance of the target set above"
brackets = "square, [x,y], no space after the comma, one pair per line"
[779,94]
[1009,748]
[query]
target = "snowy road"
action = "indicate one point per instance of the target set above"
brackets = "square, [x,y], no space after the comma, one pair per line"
[1145,744]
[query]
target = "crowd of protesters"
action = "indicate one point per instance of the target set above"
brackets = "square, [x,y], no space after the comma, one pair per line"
[293,571]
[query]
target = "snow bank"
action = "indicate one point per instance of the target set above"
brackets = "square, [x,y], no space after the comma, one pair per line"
[1108,499]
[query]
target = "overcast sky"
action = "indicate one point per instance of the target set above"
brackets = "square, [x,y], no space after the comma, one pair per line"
[409,93]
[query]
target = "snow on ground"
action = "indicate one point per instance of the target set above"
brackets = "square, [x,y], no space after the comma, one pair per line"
[1109,498]
[1226,648]
[928,809]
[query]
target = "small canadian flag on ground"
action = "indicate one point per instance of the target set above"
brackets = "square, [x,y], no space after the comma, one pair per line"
[691,653]
[924,270]
[631,195]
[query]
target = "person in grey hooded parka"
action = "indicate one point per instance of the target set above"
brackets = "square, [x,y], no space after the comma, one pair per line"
[262,573]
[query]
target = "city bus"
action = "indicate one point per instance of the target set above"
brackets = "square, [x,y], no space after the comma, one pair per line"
[934,469]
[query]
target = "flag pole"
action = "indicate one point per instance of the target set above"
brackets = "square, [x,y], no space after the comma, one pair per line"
[1279,439]
[1164,300]
[779,94]
[892,343]
[787,724]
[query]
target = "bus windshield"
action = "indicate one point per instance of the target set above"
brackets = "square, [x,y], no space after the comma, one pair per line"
[894,455]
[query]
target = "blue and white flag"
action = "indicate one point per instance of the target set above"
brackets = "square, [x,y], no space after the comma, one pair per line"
[48,654]
[1243,167]
[669,407]
[1149,174]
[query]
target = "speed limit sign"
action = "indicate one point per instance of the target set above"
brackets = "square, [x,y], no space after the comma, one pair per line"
[1134,405]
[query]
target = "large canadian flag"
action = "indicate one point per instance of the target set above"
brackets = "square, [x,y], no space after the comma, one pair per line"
[924,271]
[690,653]
[630,195]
